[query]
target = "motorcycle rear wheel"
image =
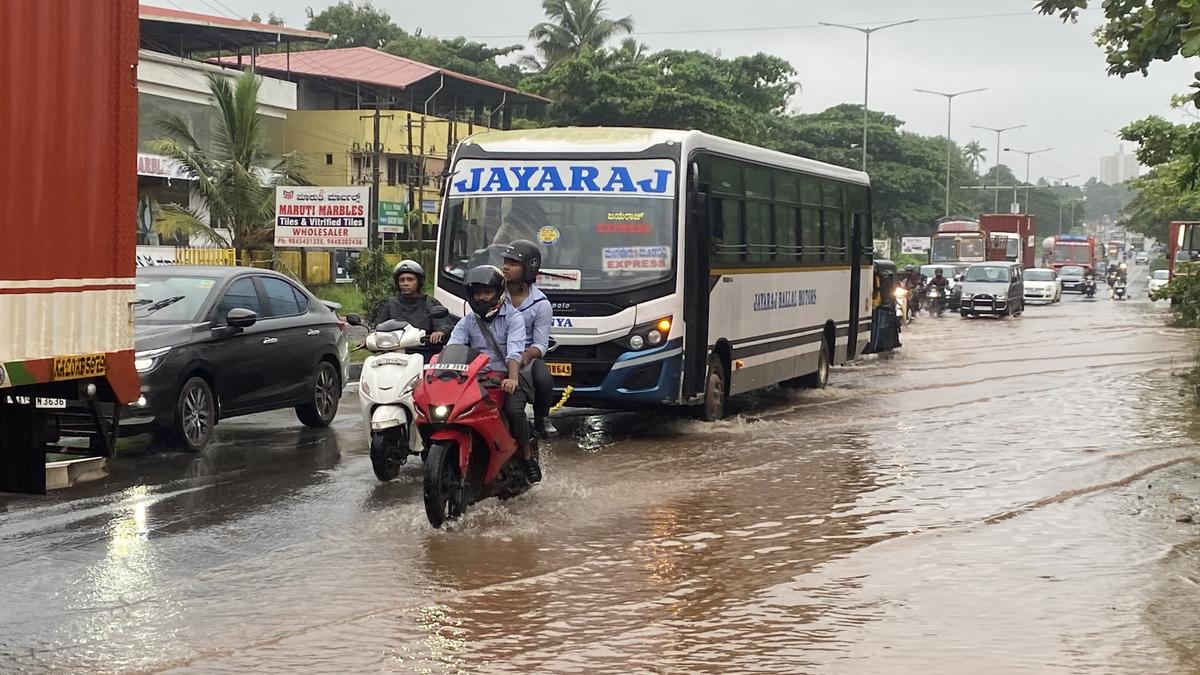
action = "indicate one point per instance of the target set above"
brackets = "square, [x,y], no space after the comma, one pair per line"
[443,485]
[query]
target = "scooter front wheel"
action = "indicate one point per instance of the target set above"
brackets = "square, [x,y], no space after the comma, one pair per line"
[384,459]
[443,485]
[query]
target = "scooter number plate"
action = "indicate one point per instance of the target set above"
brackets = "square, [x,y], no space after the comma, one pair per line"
[389,361]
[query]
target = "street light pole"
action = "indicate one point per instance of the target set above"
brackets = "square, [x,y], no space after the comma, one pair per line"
[1059,180]
[866,70]
[996,208]
[949,144]
[1028,155]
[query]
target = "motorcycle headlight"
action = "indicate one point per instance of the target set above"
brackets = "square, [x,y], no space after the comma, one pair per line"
[146,361]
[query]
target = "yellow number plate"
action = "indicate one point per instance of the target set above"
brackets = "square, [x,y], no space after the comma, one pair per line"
[78,366]
[559,369]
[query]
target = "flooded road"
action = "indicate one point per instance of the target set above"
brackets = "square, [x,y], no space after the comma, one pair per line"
[1000,496]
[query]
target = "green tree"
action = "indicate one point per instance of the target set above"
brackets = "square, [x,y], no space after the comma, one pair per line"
[235,180]
[273,19]
[460,55]
[974,153]
[354,25]
[574,27]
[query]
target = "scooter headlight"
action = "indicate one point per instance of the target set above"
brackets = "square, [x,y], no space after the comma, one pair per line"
[412,384]
[363,386]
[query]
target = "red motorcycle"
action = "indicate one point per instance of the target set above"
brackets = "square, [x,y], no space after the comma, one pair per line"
[471,454]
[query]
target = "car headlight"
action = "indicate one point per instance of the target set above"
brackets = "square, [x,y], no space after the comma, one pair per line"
[146,361]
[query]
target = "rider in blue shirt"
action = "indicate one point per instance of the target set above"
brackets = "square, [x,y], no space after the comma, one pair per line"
[522,260]
[504,345]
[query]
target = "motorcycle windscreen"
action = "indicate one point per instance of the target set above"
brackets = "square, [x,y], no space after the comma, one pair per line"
[458,355]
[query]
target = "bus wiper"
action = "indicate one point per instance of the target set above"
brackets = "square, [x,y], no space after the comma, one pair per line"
[163,303]
[552,275]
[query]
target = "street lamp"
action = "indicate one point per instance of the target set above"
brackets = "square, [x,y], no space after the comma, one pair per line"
[998,132]
[949,145]
[1028,154]
[866,70]
[1060,180]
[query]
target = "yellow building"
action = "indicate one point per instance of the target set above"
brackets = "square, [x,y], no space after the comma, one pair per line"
[424,112]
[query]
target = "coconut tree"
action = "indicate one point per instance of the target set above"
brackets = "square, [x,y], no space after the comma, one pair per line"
[574,26]
[974,153]
[234,180]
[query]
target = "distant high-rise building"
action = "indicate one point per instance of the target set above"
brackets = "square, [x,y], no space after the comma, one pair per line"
[1118,168]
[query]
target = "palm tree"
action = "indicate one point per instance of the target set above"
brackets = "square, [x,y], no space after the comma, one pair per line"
[974,153]
[574,26]
[235,181]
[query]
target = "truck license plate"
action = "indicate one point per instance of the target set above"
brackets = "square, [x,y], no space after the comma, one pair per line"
[559,369]
[78,366]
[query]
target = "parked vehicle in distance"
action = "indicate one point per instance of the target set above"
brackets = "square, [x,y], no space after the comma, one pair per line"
[1158,279]
[219,342]
[1042,285]
[993,288]
[1071,277]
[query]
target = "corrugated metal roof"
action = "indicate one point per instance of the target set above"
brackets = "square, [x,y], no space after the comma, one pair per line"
[369,66]
[149,13]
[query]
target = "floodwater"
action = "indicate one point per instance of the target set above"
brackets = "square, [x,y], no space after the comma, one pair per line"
[1000,496]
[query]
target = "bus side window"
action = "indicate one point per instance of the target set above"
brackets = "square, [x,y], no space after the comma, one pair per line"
[728,241]
[810,233]
[787,240]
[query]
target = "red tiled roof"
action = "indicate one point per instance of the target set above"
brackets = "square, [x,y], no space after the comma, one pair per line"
[369,66]
[150,13]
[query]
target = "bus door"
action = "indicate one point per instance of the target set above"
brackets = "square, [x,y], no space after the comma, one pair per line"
[856,291]
[697,286]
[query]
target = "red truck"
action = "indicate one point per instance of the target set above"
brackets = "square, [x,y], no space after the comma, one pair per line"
[68,236]
[1013,237]
[1073,249]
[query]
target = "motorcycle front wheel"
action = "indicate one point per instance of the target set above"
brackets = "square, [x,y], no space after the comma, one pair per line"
[443,485]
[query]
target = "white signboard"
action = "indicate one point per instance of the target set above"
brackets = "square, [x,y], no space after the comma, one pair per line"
[914,245]
[883,248]
[321,217]
[582,178]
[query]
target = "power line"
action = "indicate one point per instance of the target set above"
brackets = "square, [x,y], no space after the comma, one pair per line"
[754,29]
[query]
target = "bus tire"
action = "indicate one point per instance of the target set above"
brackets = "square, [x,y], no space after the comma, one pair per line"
[715,387]
[820,378]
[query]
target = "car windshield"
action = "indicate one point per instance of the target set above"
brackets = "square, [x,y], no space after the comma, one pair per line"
[1039,275]
[171,299]
[988,274]
[930,270]
[1162,275]
[612,233]
[1071,271]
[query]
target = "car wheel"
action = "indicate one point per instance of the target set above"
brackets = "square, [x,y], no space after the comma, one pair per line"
[195,415]
[327,393]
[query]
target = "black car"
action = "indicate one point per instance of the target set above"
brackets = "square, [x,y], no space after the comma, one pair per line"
[218,342]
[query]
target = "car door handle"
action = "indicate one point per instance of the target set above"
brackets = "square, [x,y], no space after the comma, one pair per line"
[270,341]
[313,331]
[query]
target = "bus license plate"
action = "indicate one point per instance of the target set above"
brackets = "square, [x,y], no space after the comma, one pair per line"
[78,366]
[559,369]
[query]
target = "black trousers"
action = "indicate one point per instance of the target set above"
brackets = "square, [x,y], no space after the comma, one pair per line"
[514,412]
[539,386]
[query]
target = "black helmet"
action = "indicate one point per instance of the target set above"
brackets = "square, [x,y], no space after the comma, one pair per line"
[408,267]
[908,268]
[528,254]
[485,275]
[937,272]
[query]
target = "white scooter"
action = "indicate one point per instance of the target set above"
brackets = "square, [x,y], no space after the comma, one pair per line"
[385,392]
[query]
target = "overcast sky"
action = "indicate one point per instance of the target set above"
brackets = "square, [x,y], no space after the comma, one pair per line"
[1038,71]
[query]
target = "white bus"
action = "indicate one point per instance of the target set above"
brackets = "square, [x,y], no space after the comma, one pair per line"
[683,268]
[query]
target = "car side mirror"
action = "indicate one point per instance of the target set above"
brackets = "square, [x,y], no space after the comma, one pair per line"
[439,312]
[354,320]
[240,318]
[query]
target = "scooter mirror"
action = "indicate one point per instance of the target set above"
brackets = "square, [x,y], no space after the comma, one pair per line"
[354,320]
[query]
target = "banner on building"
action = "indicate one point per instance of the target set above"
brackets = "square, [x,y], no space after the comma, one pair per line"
[393,217]
[883,249]
[321,217]
[914,245]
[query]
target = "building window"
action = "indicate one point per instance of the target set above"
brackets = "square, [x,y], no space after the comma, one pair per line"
[328,158]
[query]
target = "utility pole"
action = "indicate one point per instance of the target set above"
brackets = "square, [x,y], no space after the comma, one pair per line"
[1059,180]
[376,160]
[866,70]
[1028,155]
[996,208]
[949,144]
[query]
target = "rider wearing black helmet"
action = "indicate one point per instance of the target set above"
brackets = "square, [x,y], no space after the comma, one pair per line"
[522,260]
[411,305]
[504,344]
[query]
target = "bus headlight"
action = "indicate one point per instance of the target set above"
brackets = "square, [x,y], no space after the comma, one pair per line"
[654,337]
[637,342]
[649,334]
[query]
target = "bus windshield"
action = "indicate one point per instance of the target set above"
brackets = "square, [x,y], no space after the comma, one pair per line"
[957,248]
[589,243]
[1065,253]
